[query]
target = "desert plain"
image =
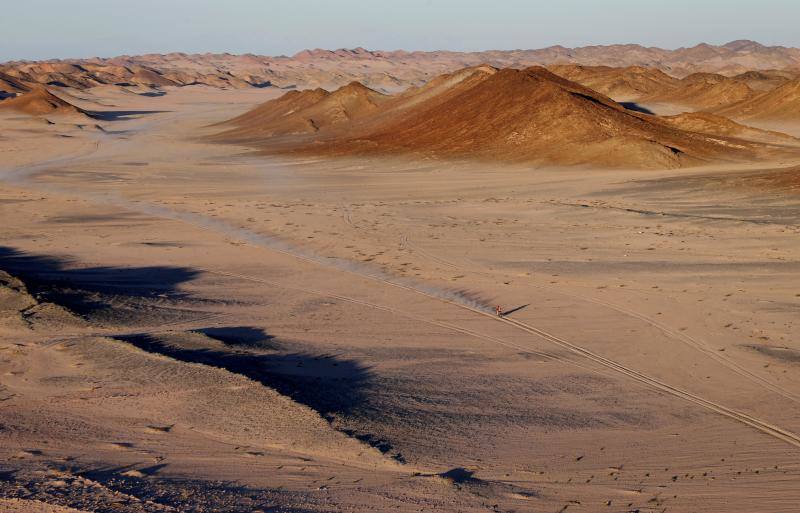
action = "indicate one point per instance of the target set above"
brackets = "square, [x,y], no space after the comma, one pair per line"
[199,314]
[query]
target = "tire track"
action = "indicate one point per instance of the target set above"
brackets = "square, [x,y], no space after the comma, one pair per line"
[394,311]
[406,243]
[700,346]
[754,422]
[671,214]
[682,337]
[280,247]
[758,424]
[653,383]
[347,216]
[765,427]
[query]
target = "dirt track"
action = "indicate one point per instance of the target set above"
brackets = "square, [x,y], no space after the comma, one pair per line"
[356,354]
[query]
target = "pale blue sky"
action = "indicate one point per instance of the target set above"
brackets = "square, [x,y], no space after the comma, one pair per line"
[37,29]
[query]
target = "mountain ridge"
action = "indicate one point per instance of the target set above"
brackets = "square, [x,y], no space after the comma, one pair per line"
[385,70]
[526,116]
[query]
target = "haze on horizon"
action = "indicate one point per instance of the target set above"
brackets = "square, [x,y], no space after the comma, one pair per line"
[44,29]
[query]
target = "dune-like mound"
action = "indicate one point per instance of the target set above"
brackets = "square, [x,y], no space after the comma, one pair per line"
[779,104]
[534,115]
[705,91]
[629,83]
[41,102]
[708,123]
[448,83]
[510,115]
[149,77]
[299,112]
[765,80]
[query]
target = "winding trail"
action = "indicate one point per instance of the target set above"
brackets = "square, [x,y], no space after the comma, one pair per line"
[754,422]
[678,215]
[643,379]
[672,333]
[24,174]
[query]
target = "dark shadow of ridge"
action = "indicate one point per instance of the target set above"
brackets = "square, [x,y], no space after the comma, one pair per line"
[635,107]
[116,115]
[241,336]
[327,384]
[459,475]
[82,289]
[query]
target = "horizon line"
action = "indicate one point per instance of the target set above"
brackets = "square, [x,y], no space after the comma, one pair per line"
[398,50]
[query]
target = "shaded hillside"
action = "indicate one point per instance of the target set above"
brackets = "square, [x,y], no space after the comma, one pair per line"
[299,112]
[10,86]
[41,102]
[627,83]
[704,91]
[765,80]
[708,123]
[779,104]
[509,115]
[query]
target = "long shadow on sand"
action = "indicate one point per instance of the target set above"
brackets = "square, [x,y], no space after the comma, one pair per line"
[326,383]
[241,336]
[334,387]
[85,290]
[116,115]
[153,94]
[635,107]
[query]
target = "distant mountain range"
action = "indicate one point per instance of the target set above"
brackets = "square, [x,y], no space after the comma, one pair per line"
[381,70]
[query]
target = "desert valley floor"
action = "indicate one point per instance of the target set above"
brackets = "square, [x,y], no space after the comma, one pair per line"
[188,323]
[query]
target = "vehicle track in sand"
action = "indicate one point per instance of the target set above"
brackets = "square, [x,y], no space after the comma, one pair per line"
[399,313]
[765,427]
[754,422]
[276,245]
[647,381]
[670,332]
[677,215]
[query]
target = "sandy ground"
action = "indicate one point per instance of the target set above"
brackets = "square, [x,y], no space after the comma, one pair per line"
[215,331]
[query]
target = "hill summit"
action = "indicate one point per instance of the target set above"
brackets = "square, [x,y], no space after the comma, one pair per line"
[512,115]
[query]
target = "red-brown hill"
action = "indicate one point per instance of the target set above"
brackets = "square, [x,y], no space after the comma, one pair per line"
[302,112]
[765,80]
[10,86]
[41,102]
[704,91]
[629,83]
[779,104]
[708,123]
[511,115]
